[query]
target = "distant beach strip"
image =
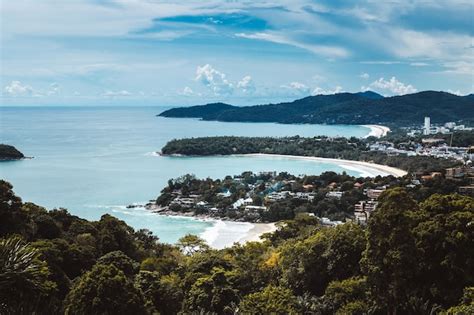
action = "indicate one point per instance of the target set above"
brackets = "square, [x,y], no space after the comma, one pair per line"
[365,168]
[377,131]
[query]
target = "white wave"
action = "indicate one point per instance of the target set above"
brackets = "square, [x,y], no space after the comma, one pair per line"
[225,233]
[154,153]
[363,172]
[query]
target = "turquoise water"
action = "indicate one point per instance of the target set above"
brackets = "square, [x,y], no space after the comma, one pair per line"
[96,160]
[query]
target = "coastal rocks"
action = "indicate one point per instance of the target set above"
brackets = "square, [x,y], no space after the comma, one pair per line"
[10,153]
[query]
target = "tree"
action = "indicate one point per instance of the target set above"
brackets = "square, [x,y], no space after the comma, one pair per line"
[344,250]
[104,290]
[115,234]
[12,217]
[162,294]
[23,277]
[390,257]
[212,293]
[445,242]
[340,296]
[303,264]
[330,254]
[466,306]
[271,300]
[46,227]
[191,244]
[121,261]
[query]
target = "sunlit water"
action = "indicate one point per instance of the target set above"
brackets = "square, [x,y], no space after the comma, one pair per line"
[96,160]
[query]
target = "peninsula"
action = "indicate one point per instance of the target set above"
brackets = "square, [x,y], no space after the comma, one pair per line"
[9,153]
[341,150]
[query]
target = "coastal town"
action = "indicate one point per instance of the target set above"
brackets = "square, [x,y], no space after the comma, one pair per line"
[431,140]
[436,156]
[271,197]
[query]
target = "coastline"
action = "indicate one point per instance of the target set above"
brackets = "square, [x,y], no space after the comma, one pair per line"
[377,131]
[370,169]
[257,231]
[224,233]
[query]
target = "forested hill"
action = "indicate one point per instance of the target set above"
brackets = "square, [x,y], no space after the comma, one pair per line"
[343,108]
[8,152]
[338,148]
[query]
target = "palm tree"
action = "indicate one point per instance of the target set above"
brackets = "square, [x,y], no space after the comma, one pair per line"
[23,277]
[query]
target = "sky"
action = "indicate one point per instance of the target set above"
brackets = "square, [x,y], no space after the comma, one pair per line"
[171,53]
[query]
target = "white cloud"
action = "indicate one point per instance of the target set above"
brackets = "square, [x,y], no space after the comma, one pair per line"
[393,86]
[122,93]
[54,89]
[187,91]
[321,91]
[18,89]
[213,79]
[455,92]
[324,50]
[419,64]
[297,88]
[364,76]
[246,84]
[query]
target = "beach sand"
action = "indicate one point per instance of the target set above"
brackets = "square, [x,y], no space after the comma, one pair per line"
[253,235]
[225,233]
[366,168]
[377,131]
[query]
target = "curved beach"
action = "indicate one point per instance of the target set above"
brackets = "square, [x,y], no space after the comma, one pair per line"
[366,168]
[377,131]
[225,233]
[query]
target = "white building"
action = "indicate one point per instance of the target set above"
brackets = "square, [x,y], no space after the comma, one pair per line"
[427,127]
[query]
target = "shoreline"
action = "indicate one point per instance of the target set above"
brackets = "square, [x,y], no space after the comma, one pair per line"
[377,131]
[363,167]
[224,233]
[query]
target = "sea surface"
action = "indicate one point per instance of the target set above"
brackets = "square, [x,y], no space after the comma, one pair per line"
[96,160]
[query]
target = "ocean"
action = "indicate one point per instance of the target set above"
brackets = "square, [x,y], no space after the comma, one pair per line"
[96,160]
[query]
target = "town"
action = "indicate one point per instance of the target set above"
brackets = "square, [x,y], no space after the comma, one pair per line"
[431,140]
[271,197]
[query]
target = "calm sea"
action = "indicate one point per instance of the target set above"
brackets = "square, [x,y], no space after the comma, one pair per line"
[96,160]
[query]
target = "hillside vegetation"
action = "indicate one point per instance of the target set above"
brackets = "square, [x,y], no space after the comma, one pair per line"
[343,108]
[325,147]
[412,258]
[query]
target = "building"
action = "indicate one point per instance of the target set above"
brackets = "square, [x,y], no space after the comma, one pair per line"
[374,193]
[335,194]
[470,153]
[255,208]
[427,126]
[328,222]
[467,190]
[304,196]
[363,209]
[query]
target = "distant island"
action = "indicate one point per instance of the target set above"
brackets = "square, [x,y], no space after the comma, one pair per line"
[342,108]
[9,153]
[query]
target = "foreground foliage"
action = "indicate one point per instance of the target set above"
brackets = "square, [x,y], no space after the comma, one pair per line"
[414,257]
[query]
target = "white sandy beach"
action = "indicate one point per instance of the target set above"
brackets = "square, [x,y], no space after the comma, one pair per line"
[253,235]
[225,233]
[377,131]
[366,168]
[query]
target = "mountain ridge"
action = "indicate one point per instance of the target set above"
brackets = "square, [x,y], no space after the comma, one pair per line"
[342,108]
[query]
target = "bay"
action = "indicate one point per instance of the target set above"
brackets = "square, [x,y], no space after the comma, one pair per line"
[96,160]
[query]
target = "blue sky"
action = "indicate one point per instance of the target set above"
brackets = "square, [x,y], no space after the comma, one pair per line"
[145,52]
